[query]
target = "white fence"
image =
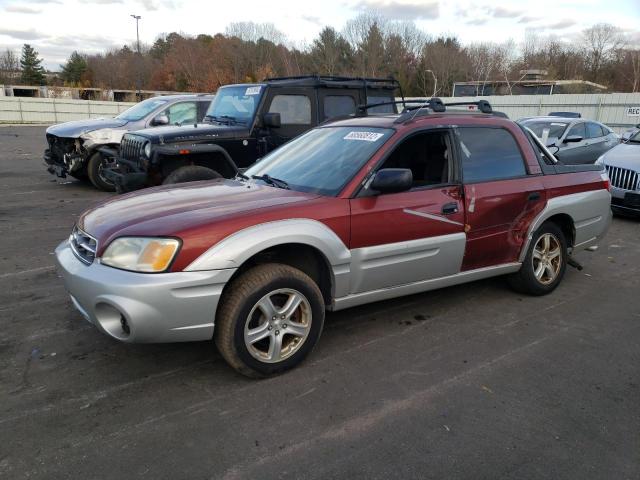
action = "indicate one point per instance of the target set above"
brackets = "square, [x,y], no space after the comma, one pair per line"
[55,110]
[612,109]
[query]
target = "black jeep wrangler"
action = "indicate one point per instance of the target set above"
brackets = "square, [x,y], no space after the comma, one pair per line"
[243,123]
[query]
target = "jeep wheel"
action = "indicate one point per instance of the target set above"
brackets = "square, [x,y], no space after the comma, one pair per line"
[269,320]
[190,173]
[94,171]
[545,263]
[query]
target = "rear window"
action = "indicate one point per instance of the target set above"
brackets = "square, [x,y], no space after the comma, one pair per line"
[551,129]
[489,154]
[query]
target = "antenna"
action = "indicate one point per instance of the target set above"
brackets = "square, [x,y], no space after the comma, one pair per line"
[434,103]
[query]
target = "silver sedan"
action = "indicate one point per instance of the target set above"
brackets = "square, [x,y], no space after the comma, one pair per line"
[577,140]
[623,165]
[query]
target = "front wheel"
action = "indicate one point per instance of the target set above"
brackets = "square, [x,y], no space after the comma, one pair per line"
[269,320]
[95,171]
[545,263]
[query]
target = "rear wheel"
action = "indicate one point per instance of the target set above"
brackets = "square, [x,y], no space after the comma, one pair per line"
[191,173]
[269,320]
[545,263]
[95,171]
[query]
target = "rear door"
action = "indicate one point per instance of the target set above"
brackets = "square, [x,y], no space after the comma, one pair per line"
[298,112]
[407,237]
[596,142]
[501,197]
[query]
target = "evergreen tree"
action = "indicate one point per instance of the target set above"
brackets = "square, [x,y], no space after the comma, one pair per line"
[74,69]
[32,71]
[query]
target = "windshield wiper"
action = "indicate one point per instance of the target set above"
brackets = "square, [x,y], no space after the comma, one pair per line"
[241,176]
[275,182]
[223,119]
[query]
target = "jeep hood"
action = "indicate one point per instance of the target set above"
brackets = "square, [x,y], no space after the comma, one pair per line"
[172,210]
[76,128]
[192,133]
[624,155]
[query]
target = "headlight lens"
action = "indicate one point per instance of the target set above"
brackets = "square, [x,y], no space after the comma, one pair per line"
[141,254]
[147,150]
[600,160]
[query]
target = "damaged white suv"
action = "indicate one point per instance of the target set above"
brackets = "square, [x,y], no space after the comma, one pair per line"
[83,148]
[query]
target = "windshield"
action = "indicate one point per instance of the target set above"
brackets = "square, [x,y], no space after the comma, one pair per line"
[141,110]
[236,104]
[555,129]
[322,160]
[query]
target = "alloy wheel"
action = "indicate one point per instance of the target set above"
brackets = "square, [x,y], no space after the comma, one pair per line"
[547,258]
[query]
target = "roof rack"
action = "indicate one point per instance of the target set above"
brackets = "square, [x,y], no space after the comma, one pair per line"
[335,78]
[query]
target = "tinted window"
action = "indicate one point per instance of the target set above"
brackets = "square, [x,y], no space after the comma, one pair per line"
[577,130]
[378,99]
[293,109]
[489,154]
[322,160]
[337,105]
[184,112]
[594,130]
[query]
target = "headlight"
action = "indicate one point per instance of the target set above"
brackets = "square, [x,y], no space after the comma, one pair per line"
[147,150]
[600,160]
[141,254]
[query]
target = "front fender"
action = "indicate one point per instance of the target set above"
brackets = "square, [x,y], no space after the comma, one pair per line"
[236,249]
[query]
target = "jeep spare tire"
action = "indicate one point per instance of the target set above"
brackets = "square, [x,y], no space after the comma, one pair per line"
[191,173]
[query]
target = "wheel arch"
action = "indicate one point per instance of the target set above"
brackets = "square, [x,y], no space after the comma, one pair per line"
[306,244]
[212,156]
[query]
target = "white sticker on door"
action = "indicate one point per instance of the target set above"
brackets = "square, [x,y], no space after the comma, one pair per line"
[364,136]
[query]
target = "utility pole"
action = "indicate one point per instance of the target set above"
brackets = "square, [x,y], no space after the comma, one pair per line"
[138,81]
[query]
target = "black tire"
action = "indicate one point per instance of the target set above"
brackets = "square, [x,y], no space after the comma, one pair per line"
[94,172]
[525,280]
[190,173]
[239,308]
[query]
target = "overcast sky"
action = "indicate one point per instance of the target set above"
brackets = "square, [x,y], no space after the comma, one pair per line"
[57,27]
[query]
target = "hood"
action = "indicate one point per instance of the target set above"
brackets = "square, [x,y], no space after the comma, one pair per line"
[624,155]
[76,128]
[192,133]
[174,209]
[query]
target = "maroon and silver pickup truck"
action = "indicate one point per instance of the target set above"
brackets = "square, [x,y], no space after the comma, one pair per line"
[355,211]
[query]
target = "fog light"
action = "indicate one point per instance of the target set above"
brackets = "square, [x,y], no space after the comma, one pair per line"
[124,325]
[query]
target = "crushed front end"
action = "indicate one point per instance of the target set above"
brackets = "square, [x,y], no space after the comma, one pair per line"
[64,156]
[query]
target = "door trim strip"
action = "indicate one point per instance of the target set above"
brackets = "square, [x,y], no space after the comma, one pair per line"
[431,216]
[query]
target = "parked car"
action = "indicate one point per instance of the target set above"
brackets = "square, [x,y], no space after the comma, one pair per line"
[629,133]
[623,165]
[351,212]
[577,141]
[244,123]
[84,148]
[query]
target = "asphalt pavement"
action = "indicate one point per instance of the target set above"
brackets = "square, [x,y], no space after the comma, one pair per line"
[468,382]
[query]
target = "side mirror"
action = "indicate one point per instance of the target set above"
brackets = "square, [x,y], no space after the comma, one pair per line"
[573,139]
[638,125]
[271,120]
[392,180]
[161,119]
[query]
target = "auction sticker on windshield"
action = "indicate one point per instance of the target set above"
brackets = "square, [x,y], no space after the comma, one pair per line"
[364,136]
[252,91]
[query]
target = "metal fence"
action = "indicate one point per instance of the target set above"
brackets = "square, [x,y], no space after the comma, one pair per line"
[619,111]
[55,110]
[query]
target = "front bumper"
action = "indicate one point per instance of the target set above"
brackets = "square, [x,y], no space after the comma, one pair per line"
[140,307]
[126,179]
[625,201]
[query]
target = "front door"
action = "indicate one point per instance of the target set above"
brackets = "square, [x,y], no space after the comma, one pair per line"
[298,113]
[402,238]
[501,198]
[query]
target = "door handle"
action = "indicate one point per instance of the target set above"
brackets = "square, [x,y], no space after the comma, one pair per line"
[450,208]
[533,196]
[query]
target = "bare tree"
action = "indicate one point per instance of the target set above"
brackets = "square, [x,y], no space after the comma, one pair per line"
[600,43]
[9,67]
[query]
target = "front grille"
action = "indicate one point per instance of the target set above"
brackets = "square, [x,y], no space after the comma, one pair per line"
[84,246]
[623,178]
[131,147]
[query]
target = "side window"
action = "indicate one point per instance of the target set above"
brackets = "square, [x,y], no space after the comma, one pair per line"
[337,105]
[489,154]
[594,130]
[379,99]
[293,109]
[577,130]
[427,155]
[183,112]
